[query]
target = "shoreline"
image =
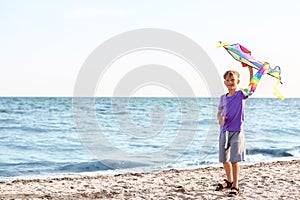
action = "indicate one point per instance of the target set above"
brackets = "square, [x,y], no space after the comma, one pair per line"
[270,180]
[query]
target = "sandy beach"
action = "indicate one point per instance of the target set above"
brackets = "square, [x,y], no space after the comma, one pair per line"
[277,180]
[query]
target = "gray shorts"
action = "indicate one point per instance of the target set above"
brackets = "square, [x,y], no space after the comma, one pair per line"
[232,148]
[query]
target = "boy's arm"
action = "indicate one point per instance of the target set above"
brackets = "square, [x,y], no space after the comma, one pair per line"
[250,72]
[220,117]
[252,84]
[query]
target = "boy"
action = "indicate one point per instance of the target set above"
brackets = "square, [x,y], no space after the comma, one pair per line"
[231,141]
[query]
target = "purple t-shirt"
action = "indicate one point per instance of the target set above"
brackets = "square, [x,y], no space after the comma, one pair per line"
[233,108]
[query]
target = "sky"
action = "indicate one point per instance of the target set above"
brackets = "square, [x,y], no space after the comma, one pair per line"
[44,44]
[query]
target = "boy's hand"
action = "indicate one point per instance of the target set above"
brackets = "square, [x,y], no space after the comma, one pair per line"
[222,119]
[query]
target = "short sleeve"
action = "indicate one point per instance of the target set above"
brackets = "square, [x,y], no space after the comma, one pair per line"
[244,94]
[222,102]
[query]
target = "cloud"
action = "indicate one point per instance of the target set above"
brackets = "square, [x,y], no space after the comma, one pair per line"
[93,13]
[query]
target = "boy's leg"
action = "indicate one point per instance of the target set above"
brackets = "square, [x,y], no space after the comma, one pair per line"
[228,170]
[235,174]
[228,182]
[224,158]
[237,154]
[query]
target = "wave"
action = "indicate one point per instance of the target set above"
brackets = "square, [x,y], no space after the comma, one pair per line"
[94,166]
[4,111]
[30,168]
[270,152]
[84,167]
[41,167]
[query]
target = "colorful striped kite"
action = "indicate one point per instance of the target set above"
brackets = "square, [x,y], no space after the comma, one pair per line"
[243,55]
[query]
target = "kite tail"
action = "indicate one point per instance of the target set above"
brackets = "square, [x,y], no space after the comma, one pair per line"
[255,80]
[276,73]
[221,44]
[276,92]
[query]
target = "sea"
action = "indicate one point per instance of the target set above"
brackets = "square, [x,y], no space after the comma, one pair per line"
[50,137]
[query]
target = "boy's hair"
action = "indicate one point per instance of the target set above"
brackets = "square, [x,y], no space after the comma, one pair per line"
[231,73]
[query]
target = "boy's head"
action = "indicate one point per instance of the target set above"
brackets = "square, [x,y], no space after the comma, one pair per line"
[230,73]
[231,79]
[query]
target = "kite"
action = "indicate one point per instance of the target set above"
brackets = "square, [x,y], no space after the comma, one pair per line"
[243,55]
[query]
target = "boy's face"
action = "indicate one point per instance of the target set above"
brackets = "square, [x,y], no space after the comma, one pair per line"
[231,81]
